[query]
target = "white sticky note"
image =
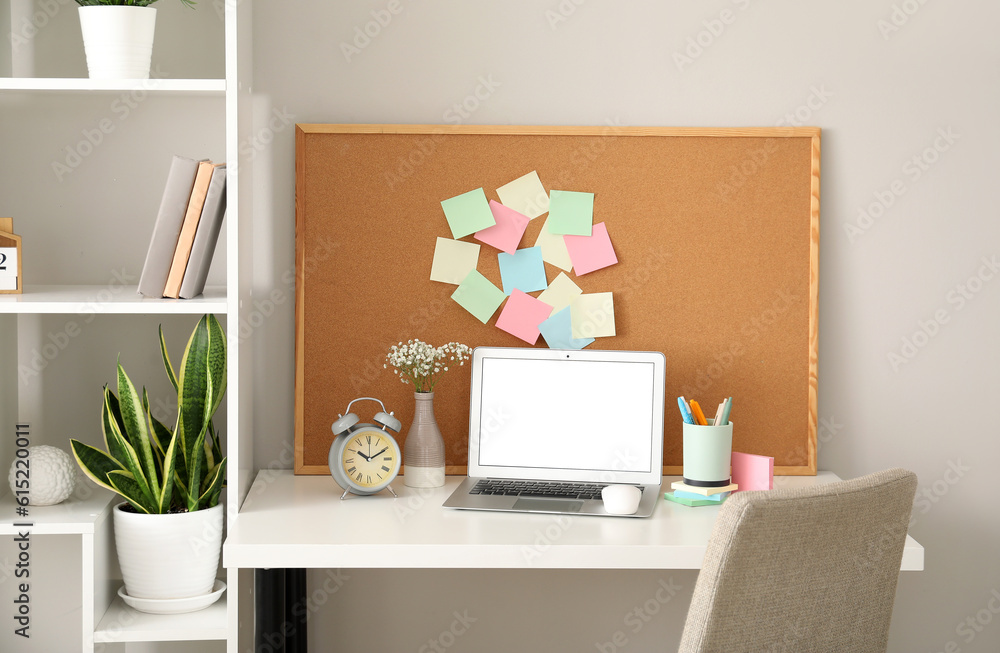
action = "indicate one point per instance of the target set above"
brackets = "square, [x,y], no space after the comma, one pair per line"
[560,293]
[526,195]
[593,315]
[553,248]
[453,260]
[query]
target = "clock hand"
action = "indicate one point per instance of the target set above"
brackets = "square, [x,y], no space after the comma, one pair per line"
[368,458]
[380,453]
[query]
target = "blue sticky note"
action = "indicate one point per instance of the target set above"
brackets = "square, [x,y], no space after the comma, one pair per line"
[700,497]
[523,270]
[558,332]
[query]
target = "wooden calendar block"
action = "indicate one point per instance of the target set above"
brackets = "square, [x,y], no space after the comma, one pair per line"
[10,258]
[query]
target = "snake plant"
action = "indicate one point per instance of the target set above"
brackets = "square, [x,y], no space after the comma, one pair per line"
[155,468]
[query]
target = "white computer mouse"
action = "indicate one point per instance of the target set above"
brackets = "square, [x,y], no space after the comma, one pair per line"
[621,499]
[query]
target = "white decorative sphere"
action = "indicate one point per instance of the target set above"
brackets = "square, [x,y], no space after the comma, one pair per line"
[52,475]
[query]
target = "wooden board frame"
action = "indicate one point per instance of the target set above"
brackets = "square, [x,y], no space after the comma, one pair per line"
[746,176]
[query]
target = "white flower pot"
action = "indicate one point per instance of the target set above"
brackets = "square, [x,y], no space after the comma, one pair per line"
[168,556]
[118,40]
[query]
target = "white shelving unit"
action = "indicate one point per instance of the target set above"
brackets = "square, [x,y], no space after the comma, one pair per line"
[74,84]
[89,299]
[107,623]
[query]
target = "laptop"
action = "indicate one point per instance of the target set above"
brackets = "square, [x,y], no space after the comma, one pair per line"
[548,428]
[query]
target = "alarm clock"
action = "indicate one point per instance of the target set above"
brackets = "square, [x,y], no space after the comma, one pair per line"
[365,458]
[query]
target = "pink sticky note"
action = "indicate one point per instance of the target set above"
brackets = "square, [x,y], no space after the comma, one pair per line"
[506,234]
[521,316]
[593,252]
[753,472]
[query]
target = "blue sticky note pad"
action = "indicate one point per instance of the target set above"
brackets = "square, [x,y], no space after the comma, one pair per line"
[523,270]
[558,332]
[700,497]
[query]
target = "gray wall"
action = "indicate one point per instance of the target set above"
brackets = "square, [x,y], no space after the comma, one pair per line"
[882,96]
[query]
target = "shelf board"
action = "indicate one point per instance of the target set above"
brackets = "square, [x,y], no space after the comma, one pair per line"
[113,85]
[71,517]
[124,624]
[100,299]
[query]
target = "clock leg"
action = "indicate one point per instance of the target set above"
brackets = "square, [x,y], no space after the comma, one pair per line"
[344,494]
[392,492]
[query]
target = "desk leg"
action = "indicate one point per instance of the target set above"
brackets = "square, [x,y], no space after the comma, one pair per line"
[278,627]
[295,595]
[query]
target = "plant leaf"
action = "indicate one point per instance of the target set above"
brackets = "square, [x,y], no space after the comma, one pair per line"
[217,354]
[130,461]
[216,444]
[213,486]
[112,427]
[166,360]
[193,394]
[167,491]
[134,418]
[125,484]
[95,463]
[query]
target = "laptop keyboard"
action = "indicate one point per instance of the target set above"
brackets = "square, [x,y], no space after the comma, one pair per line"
[539,489]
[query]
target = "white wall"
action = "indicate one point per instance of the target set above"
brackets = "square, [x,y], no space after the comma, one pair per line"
[881,100]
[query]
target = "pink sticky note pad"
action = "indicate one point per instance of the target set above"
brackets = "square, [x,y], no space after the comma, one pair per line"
[521,316]
[506,234]
[753,472]
[592,252]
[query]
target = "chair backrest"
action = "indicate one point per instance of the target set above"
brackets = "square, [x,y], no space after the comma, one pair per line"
[803,569]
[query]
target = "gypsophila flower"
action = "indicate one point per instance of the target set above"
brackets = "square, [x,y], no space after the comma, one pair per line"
[419,363]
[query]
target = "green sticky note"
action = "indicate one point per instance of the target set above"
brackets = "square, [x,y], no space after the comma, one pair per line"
[468,213]
[570,213]
[479,296]
[669,496]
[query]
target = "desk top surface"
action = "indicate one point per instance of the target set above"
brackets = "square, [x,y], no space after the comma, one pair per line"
[299,521]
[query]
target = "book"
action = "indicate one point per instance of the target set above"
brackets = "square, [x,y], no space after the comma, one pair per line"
[173,206]
[206,237]
[172,287]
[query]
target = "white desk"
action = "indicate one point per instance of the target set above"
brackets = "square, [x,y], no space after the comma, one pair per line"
[290,521]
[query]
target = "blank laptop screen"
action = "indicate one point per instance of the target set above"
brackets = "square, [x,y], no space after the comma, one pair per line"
[567,414]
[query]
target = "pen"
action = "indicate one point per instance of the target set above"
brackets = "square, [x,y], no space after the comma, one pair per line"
[698,415]
[718,414]
[685,411]
[725,411]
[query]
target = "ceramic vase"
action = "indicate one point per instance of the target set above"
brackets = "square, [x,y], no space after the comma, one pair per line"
[423,451]
[118,40]
[172,556]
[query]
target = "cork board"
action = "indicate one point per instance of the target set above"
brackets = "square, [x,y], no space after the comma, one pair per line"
[716,233]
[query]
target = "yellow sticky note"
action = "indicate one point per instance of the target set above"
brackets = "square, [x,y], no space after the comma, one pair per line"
[560,293]
[526,195]
[453,260]
[593,315]
[553,248]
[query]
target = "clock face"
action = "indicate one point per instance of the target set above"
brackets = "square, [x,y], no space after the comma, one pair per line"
[370,459]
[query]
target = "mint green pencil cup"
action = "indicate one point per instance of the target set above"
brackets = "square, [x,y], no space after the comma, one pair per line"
[708,452]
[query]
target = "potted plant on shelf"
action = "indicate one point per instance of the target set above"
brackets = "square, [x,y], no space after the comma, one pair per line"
[118,37]
[169,530]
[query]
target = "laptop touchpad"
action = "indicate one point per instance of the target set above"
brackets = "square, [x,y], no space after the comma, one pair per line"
[547,505]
